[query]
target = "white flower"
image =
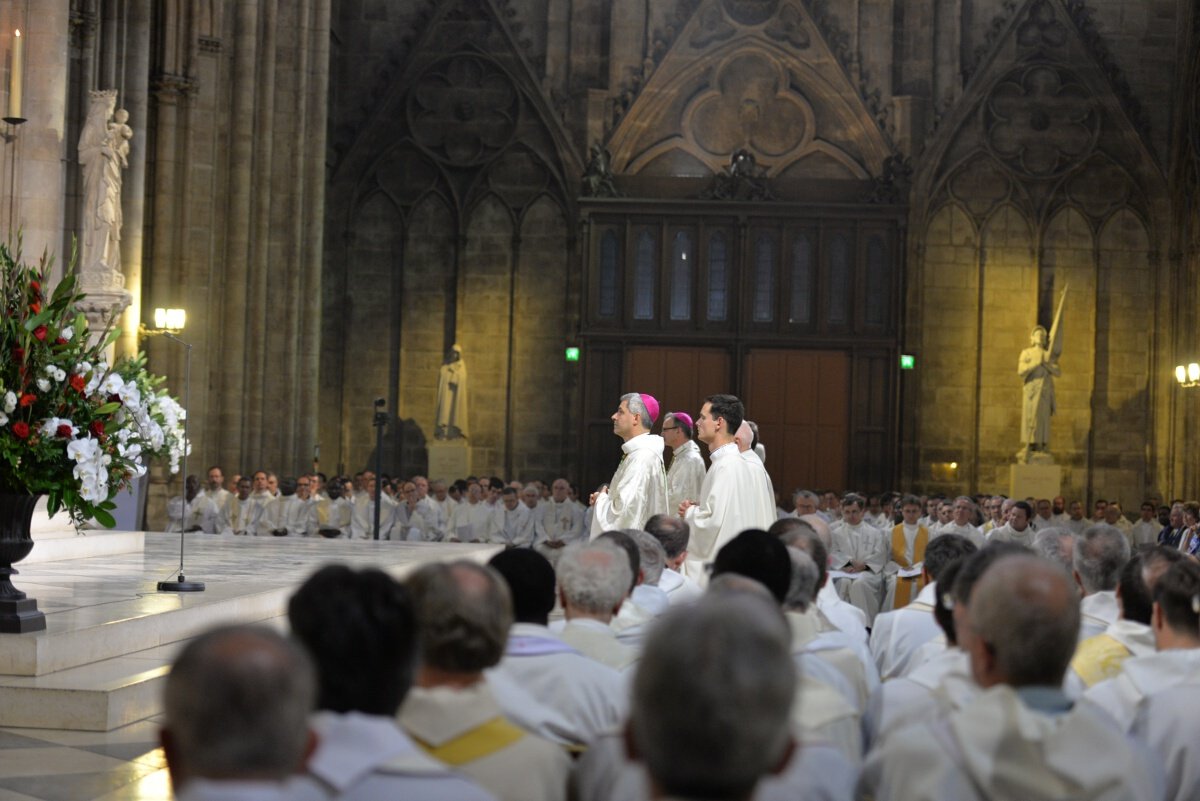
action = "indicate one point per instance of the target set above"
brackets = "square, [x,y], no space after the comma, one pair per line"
[3,419]
[10,402]
[130,396]
[112,385]
[68,333]
[43,384]
[91,468]
[56,373]
[50,427]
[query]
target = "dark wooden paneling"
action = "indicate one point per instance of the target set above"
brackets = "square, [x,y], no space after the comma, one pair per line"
[800,401]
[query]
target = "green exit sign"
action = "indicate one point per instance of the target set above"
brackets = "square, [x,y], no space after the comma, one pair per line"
[907,361]
[572,354]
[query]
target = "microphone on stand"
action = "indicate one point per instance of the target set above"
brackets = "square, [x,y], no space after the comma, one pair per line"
[380,422]
[182,584]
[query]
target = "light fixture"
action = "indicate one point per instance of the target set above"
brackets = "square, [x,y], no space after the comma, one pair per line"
[170,319]
[1189,375]
[166,321]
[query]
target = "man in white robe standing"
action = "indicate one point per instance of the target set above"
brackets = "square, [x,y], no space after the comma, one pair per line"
[638,489]
[734,495]
[1021,737]
[686,473]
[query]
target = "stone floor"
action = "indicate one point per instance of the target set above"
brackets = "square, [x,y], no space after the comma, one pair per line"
[247,579]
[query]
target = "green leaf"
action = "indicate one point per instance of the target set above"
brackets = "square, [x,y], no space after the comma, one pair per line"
[103,518]
[108,408]
[38,319]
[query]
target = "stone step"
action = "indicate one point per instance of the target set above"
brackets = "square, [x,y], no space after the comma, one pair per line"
[110,636]
[93,542]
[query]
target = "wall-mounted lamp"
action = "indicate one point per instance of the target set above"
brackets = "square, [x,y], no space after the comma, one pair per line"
[1188,376]
[166,321]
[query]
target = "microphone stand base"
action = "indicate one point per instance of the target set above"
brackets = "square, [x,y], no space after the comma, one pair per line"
[181,585]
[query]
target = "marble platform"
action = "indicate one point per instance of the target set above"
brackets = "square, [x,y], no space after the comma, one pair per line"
[110,636]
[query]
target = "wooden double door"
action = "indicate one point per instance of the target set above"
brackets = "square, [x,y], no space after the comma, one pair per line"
[800,399]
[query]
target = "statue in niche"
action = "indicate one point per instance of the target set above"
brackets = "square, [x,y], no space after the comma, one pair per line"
[103,153]
[450,422]
[598,177]
[1038,367]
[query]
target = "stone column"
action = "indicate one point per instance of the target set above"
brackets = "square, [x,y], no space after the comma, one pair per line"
[41,143]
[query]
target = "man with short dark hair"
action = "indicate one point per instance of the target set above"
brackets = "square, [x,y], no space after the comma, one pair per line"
[236,709]
[1018,529]
[897,635]
[589,696]
[358,627]
[510,522]
[1176,625]
[673,534]
[734,495]
[1145,530]
[860,553]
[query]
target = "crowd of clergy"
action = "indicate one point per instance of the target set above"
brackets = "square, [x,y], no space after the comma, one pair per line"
[690,635]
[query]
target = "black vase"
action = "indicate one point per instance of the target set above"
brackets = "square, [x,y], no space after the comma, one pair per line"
[18,613]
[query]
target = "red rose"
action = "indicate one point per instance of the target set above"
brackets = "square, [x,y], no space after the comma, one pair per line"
[21,429]
[77,383]
[97,428]
[35,307]
[40,332]
[19,354]
[28,398]
[60,341]
[64,431]
[36,286]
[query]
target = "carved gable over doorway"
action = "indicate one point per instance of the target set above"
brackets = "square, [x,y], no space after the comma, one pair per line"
[758,76]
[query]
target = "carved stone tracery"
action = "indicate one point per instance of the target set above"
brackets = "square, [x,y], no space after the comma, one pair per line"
[463,110]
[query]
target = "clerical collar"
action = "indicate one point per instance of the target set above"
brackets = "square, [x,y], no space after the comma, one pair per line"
[1044,699]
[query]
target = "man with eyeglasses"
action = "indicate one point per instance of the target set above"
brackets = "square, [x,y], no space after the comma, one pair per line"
[686,473]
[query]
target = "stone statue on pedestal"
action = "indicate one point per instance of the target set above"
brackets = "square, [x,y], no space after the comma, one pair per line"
[450,422]
[1038,367]
[103,153]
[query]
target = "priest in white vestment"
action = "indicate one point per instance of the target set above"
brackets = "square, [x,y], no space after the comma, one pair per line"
[1176,625]
[638,489]
[199,513]
[594,580]
[897,635]
[263,502]
[686,472]
[960,524]
[746,437]
[674,535]
[332,515]
[472,519]
[1102,656]
[362,518]
[413,521]
[559,523]
[293,508]
[1021,738]
[585,697]
[1145,530]
[1018,528]
[860,553]
[215,489]
[236,515]
[510,525]
[734,496]
[1100,554]
[1168,726]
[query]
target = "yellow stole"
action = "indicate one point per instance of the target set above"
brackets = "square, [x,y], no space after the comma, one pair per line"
[484,740]
[907,588]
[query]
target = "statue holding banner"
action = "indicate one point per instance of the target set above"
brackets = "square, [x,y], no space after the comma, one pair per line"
[1038,367]
[450,421]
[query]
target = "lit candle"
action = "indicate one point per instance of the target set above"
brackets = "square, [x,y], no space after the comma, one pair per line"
[14,83]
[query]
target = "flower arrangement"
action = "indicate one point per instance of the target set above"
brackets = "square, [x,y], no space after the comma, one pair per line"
[73,427]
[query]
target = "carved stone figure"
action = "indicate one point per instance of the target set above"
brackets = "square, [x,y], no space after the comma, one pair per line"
[450,422]
[598,178]
[743,179]
[1038,367]
[103,152]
